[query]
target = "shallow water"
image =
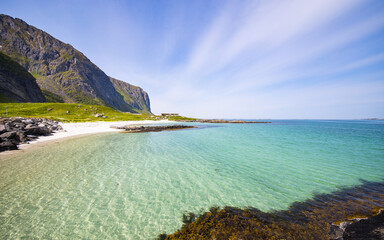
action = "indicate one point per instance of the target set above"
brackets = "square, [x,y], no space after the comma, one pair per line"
[135,186]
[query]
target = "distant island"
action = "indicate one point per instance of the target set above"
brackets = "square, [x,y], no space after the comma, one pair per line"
[373,119]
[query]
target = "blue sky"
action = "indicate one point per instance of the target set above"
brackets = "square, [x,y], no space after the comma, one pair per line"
[231,59]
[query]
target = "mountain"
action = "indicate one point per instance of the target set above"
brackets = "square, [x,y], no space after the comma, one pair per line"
[62,72]
[16,83]
[133,95]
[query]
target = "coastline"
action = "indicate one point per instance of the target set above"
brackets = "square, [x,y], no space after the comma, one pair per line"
[72,130]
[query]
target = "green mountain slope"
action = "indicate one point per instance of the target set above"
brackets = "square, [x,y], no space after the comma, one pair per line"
[136,97]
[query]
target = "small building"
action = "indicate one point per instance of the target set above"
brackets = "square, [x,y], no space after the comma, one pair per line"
[169,114]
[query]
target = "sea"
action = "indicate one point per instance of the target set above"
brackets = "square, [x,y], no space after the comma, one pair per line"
[138,185]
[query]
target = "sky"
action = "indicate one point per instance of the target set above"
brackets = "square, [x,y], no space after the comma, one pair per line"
[260,59]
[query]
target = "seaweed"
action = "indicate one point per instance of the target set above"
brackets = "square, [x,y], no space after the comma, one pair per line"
[310,219]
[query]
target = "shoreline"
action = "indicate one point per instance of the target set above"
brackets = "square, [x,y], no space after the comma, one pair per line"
[72,130]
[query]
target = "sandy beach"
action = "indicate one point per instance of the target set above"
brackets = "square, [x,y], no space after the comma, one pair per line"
[80,129]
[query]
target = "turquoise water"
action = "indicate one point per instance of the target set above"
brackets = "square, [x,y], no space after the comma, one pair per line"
[135,186]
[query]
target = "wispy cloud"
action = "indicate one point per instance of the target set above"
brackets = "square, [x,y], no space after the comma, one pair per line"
[259,44]
[233,58]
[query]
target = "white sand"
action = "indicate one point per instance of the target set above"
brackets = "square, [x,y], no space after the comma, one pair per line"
[78,129]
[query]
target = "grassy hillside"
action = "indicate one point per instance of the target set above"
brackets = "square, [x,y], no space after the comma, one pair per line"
[67,112]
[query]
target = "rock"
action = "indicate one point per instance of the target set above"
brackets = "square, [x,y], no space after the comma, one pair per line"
[28,121]
[8,135]
[371,228]
[21,137]
[31,137]
[21,130]
[67,112]
[2,128]
[367,229]
[6,146]
[98,115]
[34,130]
[19,125]
[135,129]
[29,126]
[336,231]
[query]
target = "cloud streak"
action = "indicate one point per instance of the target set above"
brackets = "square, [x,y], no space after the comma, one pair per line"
[233,59]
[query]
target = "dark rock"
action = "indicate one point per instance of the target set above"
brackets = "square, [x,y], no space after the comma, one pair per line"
[5,146]
[135,129]
[21,130]
[371,228]
[21,137]
[2,128]
[336,231]
[28,121]
[8,135]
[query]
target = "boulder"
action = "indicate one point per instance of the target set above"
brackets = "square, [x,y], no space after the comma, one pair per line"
[2,128]
[8,135]
[28,121]
[5,146]
[21,137]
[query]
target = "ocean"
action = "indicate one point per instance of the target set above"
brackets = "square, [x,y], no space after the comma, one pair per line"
[138,185]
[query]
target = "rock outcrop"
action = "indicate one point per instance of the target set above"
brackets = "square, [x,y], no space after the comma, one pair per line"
[14,131]
[62,72]
[369,228]
[16,83]
[134,96]
[135,129]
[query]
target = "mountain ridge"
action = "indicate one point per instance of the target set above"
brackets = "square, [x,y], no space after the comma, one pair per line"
[63,71]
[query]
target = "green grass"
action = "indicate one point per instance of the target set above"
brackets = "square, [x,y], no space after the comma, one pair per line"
[51,97]
[58,112]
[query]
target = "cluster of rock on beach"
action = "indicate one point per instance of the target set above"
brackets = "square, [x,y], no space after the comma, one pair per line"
[14,131]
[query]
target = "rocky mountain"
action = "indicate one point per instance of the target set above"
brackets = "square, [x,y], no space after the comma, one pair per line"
[133,95]
[62,72]
[16,83]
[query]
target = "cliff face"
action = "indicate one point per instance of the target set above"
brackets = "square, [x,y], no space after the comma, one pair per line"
[60,69]
[16,83]
[134,96]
